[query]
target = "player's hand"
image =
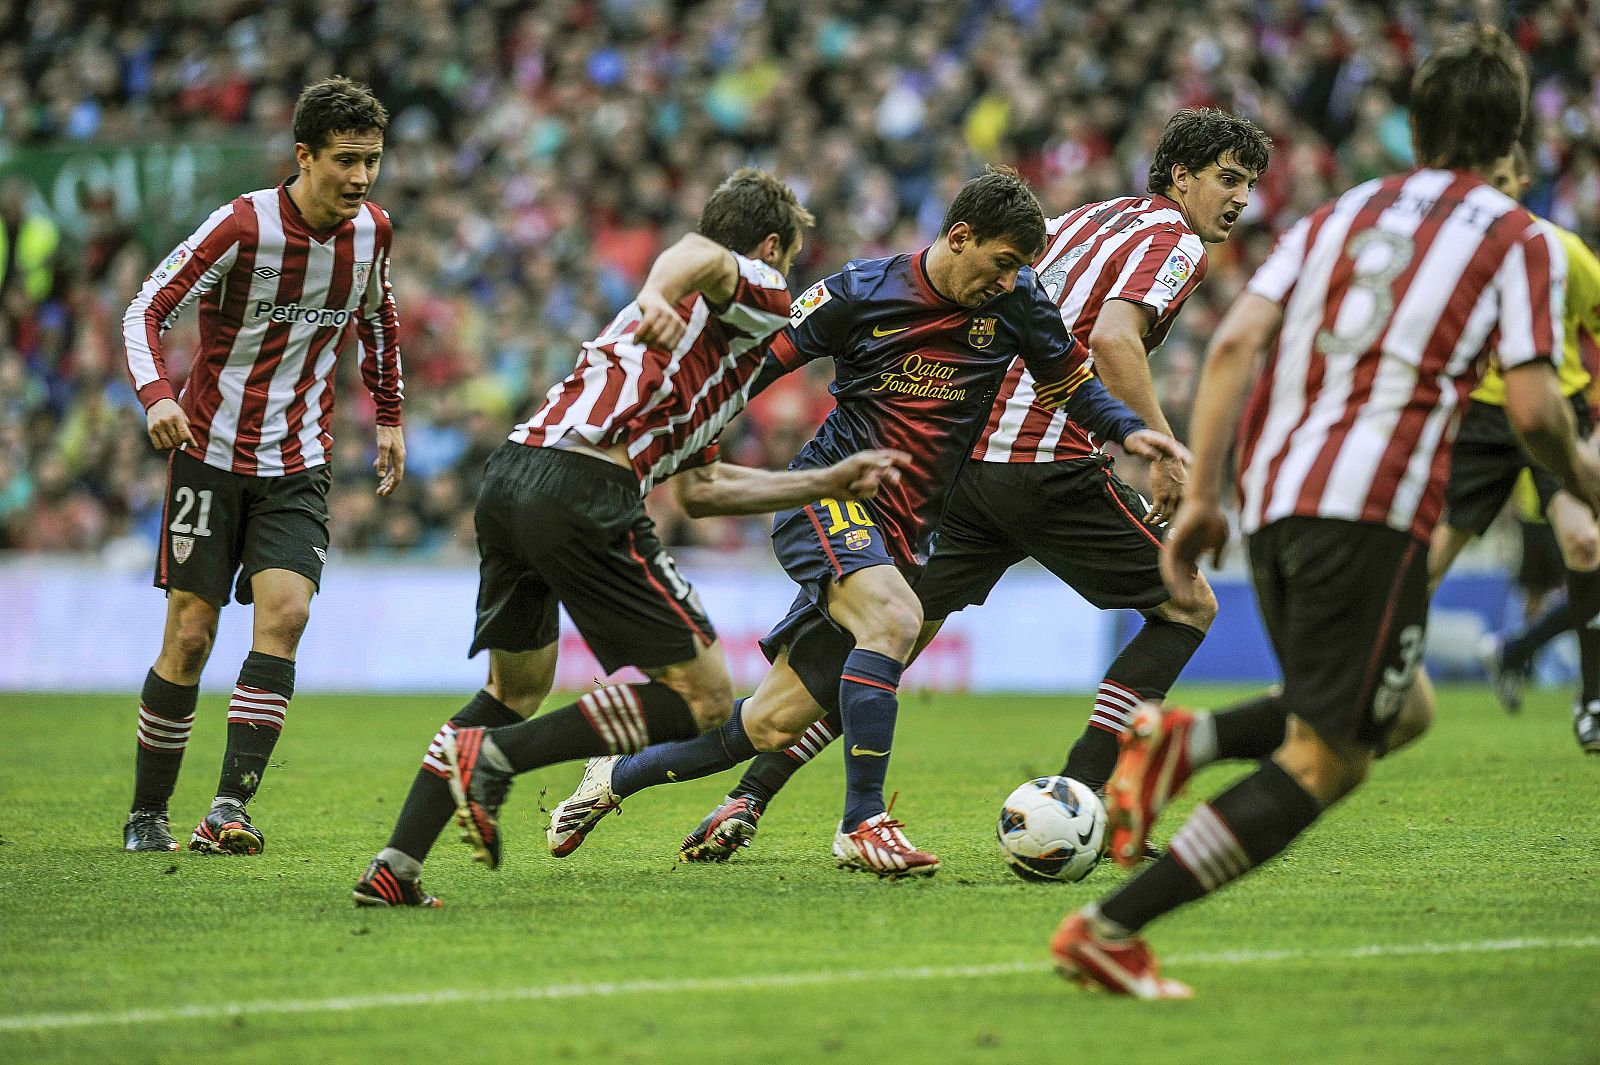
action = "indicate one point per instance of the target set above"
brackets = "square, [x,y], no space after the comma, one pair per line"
[168,425]
[862,474]
[1167,477]
[1200,529]
[391,460]
[659,323]
[1149,444]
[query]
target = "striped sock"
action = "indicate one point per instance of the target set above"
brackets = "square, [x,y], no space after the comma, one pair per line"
[255,721]
[1144,670]
[770,772]
[428,804]
[166,716]
[1248,824]
[618,719]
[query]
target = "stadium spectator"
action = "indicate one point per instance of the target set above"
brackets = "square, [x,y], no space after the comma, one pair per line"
[549,148]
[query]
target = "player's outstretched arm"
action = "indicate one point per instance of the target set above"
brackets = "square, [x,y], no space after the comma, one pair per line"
[693,264]
[723,488]
[1200,528]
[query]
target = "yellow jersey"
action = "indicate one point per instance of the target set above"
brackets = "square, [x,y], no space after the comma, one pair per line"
[1580,321]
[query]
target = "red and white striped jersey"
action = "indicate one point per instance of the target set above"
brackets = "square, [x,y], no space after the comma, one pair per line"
[1392,294]
[277,300]
[668,407]
[1135,248]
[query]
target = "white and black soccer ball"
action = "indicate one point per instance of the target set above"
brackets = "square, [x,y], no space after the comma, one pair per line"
[1052,828]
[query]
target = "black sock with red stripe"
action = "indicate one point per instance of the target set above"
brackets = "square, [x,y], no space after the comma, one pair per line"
[868,704]
[1251,729]
[767,775]
[166,715]
[1145,670]
[255,721]
[618,719]
[428,804]
[1246,825]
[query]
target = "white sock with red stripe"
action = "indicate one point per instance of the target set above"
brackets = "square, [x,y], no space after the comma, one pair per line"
[256,713]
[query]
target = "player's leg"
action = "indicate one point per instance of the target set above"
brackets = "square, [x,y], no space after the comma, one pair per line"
[195,563]
[1368,585]
[283,535]
[577,523]
[1579,539]
[1086,526]
[518,622]
[166,716]
[1540,572]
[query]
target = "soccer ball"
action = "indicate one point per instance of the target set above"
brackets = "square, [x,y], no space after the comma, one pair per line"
[1052,828]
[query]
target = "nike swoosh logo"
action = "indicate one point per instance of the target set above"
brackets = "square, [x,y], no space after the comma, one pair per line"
[888,332]
[1084,837]
[672,776]
[858,751]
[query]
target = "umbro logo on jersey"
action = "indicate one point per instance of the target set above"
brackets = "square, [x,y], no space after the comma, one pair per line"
[322,556]
[267,273]
[877,332]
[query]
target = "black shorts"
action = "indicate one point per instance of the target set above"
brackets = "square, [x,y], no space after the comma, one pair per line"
[1346,607]
[560,528]
[217,523]
[1076,518]
[1485,462]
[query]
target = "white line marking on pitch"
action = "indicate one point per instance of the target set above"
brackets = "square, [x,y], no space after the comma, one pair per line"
[446,996]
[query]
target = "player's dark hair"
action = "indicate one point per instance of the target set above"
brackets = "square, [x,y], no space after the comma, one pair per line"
[750,205]
[1469,99]
[998,203]
[336,105]
[1196,137]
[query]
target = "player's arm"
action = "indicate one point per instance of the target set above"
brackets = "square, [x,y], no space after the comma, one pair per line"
[1064,380]
[192,269]
[1122,363]
[1532,284]
[1200,528]
[378,332]
[693,264]
[723,488]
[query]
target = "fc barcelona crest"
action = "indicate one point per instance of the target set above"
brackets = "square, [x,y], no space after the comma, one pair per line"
[182,547]
[981,334]
[856,539]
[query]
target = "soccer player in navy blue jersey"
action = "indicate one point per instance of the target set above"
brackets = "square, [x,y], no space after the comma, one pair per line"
[921,343]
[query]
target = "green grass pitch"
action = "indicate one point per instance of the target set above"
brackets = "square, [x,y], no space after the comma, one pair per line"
[1449,912]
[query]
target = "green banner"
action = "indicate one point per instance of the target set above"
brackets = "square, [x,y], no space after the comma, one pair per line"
[161,190]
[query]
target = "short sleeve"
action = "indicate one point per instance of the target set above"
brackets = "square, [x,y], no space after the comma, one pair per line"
[1276,277]
[819,324]
[1531,285]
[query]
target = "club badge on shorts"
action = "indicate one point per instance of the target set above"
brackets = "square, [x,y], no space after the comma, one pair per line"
[182,548]
[856,539]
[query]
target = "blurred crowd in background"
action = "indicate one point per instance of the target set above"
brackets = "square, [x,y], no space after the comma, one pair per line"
[540,154]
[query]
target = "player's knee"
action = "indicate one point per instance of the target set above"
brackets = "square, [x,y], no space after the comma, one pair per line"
[1580,549]
[892,627]
[769,736]
[1414,719]
[1198,615]
[191,644]
[286,621]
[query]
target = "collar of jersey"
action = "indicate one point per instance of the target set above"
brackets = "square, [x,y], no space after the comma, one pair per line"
[291,212]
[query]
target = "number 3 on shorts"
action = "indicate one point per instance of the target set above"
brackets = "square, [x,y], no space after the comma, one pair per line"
[842,516]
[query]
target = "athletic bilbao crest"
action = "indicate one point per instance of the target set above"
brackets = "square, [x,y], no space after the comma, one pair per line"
[981,334]
[360,274]
[182,547]
[856,539]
